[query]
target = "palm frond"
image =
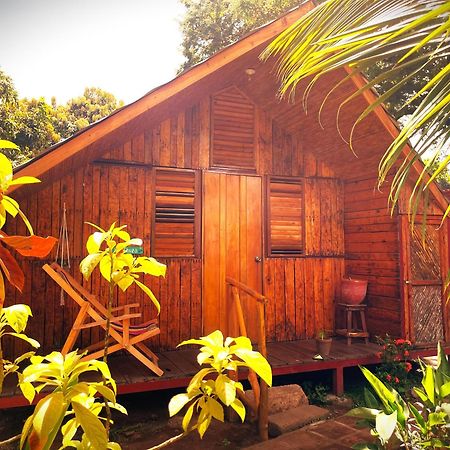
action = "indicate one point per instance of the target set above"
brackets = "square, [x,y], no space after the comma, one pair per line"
[359,33]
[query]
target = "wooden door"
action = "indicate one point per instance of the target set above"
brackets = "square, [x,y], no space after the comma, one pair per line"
[424,280]
[232,246]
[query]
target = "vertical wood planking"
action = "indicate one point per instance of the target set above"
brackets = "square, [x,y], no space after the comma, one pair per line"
[211,251]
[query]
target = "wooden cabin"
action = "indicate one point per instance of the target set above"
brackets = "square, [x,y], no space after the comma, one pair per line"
[220,177]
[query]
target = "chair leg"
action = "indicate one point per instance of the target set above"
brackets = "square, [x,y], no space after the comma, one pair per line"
[144,349]
[75,331]
[144,360]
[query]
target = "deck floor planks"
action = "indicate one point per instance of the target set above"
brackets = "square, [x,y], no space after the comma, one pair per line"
[180,365]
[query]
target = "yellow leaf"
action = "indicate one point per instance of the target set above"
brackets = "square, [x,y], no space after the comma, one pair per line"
[150,294]
[187,417]
[24,180]
[105,267]
[177,403]
[88,264]
[92,426]
[215,408]
[225,389]
[239,408]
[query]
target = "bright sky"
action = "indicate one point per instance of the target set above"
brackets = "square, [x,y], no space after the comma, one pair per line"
[59,47]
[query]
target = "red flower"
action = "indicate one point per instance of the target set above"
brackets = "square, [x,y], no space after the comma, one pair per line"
[406,353]
[408,342]
[396,380]
[399,341]
[408,366]
[388,377]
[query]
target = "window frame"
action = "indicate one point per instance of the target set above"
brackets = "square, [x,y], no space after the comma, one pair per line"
[269,179]
[197,212]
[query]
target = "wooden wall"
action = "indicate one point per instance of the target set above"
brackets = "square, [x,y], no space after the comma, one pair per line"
[372,252]
[341,220]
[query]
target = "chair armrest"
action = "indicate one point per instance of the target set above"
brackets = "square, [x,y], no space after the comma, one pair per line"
[124,317]
[128,305]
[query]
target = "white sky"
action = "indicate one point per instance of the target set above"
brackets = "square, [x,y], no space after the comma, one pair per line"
[59,47]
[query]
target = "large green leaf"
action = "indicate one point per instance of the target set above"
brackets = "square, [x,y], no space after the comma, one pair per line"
[356,34]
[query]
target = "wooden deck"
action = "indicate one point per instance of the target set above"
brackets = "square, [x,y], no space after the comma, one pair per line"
[179,366]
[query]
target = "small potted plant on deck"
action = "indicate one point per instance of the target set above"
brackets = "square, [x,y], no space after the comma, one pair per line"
[323,342]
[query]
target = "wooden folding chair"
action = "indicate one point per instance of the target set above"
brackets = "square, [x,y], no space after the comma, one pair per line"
[93,314]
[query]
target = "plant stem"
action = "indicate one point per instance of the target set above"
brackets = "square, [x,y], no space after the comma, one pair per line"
[106,345]
[2,368]
[10,440]
[173,439]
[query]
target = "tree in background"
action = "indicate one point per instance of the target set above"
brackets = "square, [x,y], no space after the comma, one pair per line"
[93,105]
[209,26]
[35,125]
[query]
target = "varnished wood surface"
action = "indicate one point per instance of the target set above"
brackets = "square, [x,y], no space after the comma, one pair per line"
[180,365]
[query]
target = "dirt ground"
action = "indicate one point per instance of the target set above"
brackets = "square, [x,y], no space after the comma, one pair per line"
[147,424]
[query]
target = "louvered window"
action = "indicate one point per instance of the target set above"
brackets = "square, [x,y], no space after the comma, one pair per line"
[233,131]
[285,227]
[176,215]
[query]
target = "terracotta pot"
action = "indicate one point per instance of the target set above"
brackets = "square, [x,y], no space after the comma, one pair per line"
[323,346]
[353,291]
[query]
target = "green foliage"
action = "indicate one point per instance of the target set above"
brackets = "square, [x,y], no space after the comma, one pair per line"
[395,368]
[349,33]
[35,125]
[107,249]
[421,424]
[25,245]
[72,404]
[93,105]
[210,26]
[206,397]
[13,321]
[316,392]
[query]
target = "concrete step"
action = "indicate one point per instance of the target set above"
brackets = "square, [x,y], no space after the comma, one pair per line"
[295,418]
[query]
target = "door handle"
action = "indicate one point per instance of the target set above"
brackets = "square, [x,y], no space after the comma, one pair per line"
[258,259]
[407,282]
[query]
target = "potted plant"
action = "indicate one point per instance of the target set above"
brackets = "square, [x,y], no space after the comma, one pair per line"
[323,342]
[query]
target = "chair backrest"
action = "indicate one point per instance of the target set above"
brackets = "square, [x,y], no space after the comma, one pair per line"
[73,288]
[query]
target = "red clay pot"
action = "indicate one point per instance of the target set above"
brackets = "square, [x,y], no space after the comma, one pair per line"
[353,291]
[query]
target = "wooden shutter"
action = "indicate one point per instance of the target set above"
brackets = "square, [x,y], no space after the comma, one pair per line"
[233,131]
[284,217]
[176,215]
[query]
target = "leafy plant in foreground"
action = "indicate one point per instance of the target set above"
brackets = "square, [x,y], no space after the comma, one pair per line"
[395,369]
[15,318]
[107,249]
[13,321]
[70,398]
[206,398]
[421,424]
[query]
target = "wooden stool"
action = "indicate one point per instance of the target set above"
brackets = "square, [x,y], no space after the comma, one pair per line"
[351,330]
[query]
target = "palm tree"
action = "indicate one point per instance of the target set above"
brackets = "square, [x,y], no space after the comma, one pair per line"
[360,33]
